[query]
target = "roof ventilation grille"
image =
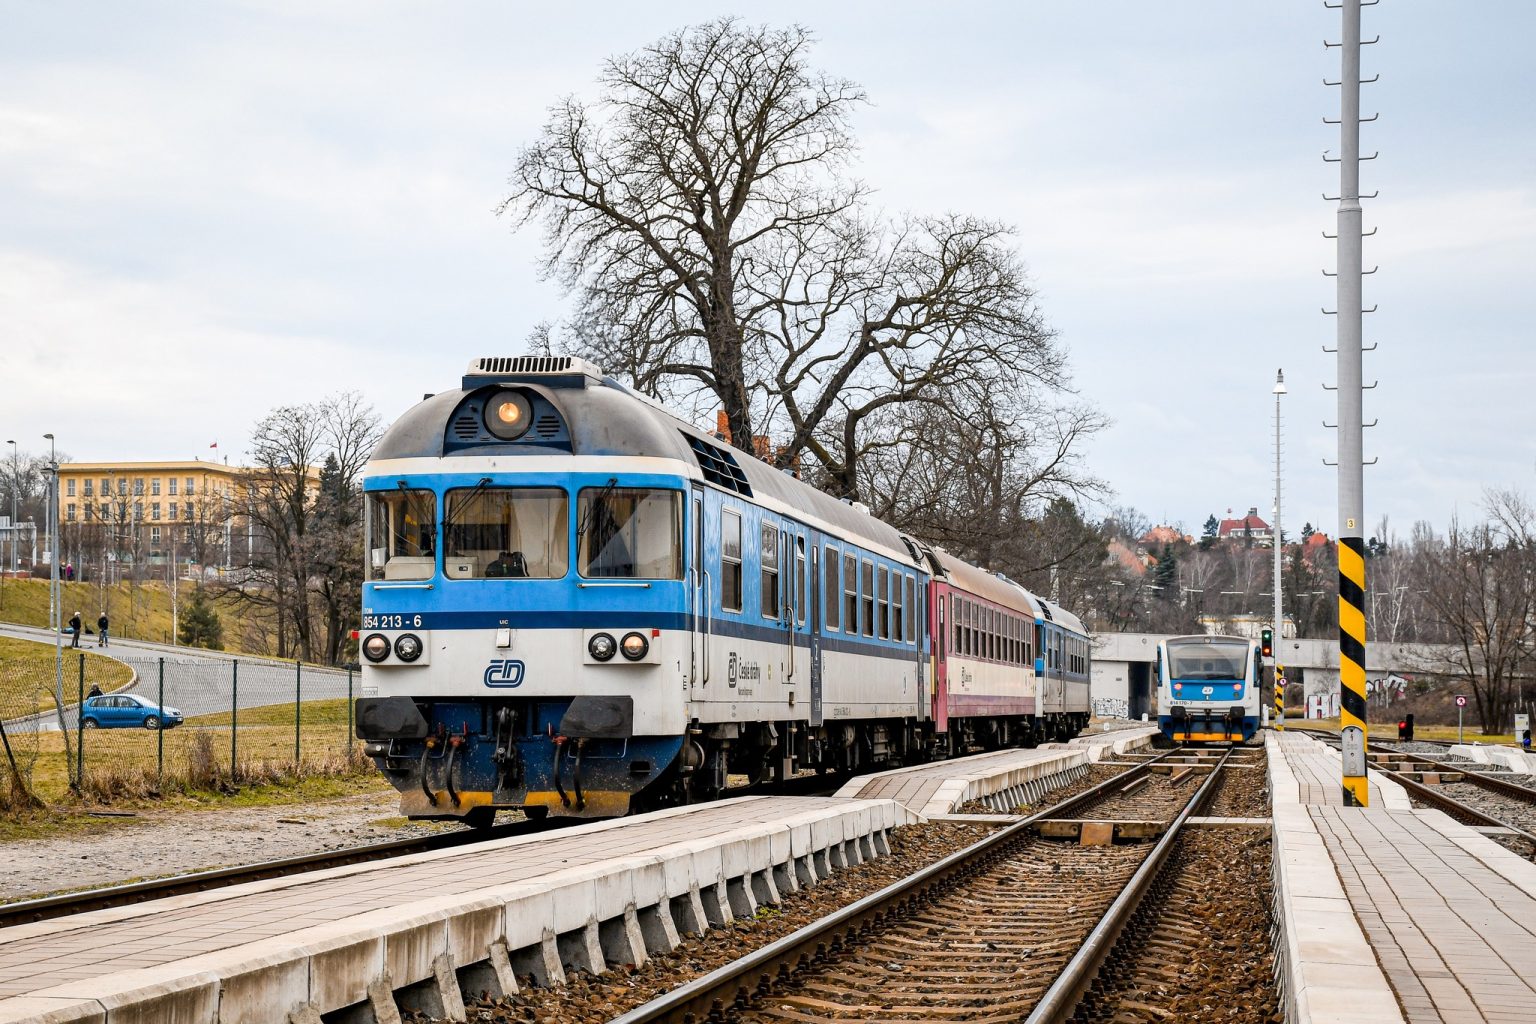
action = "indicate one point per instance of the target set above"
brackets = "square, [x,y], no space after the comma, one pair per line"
[466,428]
[530,366]
[719,466]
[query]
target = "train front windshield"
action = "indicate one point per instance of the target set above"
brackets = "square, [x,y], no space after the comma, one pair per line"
[1208,661]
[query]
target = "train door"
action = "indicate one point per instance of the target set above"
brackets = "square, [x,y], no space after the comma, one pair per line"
[941,671]
[818,618]
[698,598]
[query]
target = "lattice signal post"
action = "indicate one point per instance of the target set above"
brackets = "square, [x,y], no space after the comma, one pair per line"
[1349,276]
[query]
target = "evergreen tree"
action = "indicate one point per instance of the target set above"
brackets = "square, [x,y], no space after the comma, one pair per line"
[1208,535]
[1166,574]
[200,626]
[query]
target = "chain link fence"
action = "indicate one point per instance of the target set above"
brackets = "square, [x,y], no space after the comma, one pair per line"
[149,724]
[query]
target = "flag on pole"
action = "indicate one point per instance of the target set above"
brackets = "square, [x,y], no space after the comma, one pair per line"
[214,445]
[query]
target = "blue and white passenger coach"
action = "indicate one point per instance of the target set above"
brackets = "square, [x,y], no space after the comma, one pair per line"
[1209,688]
[577,602]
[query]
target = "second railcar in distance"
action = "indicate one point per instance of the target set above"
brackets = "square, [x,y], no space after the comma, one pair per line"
[1209,688]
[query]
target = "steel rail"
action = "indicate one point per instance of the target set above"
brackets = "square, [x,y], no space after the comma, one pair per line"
[1466,813]
[708,997]
[1484,779]
[50,907]
[1061,1000]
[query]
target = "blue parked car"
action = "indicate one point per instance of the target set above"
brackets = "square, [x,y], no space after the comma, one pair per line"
[127,711]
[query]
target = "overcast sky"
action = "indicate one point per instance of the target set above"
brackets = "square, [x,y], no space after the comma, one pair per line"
[207,210]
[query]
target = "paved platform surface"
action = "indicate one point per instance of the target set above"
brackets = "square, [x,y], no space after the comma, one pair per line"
[938,789]
[1392,914]
[183,958]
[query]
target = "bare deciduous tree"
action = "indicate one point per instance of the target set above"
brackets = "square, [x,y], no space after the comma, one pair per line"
[720,255]
[1480,585]
[306,571]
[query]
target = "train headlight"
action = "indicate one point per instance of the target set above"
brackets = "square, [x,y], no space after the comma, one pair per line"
[1237,691]
[508,415]
[376,647]
[635,646]
[408,647]
[602,646]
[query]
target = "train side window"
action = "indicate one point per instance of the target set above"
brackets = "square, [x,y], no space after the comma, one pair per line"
[770,553]
[991,651]
[850,594]
[883,602]
[830,588]
[730,560]
[800,601]
[955,624]
[910,610]
[867,598]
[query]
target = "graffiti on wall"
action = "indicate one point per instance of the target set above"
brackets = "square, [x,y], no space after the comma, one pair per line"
[1111,707]
[1383,690]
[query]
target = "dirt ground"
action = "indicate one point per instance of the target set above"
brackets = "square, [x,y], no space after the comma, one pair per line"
[151,844]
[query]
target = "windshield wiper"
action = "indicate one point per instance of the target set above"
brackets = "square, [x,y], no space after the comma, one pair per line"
[601,501]
[449,520]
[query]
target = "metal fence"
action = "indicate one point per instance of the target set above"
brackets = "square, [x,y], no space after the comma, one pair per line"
[143,723]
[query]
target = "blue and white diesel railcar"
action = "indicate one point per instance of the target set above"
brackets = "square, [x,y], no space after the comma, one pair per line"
[577,602]
[1209,688]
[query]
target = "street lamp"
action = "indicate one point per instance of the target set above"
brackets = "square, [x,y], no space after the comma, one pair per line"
[11,563]
[1278,390]
[55,594]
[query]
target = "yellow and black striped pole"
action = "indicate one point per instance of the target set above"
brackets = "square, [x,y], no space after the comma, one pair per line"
[1349,280]
[1352,668]
[1279,697]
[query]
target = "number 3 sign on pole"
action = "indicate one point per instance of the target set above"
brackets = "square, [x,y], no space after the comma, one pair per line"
[1461,707]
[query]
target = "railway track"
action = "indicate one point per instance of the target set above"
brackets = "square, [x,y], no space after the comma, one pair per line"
[1011,928]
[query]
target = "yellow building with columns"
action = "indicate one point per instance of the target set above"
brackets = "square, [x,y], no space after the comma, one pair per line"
[116,514]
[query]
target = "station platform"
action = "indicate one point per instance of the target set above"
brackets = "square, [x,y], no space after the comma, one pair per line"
[418,932]
[1390,915]
[1517,761]
[1003,778]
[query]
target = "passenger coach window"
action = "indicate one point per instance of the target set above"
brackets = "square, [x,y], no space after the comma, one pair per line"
[850,594]
[402,534]
[883,593]
[800,601]
[770,571]
[910,608]
[730,561]
[867,597]
[506,533]
[830,588]
[630,533]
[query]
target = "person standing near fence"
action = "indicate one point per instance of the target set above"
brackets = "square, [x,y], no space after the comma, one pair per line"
[101,631]
[74,628]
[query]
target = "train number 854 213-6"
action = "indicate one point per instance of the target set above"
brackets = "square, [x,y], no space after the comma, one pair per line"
[391,621]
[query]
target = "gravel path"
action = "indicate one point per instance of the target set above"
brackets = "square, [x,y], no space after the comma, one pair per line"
[153,844]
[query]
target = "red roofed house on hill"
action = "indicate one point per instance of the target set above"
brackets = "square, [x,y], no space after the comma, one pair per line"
[1249,527]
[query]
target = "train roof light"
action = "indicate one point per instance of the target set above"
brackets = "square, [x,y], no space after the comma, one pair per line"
[508,415]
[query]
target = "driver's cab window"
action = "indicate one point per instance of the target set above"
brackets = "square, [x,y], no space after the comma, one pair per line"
[402,534]
[506,533]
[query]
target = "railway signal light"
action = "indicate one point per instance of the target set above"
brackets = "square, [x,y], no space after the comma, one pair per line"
[1267,643]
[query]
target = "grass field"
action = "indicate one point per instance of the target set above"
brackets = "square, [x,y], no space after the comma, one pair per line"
[28,676]
[141,612]
[1383,731]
